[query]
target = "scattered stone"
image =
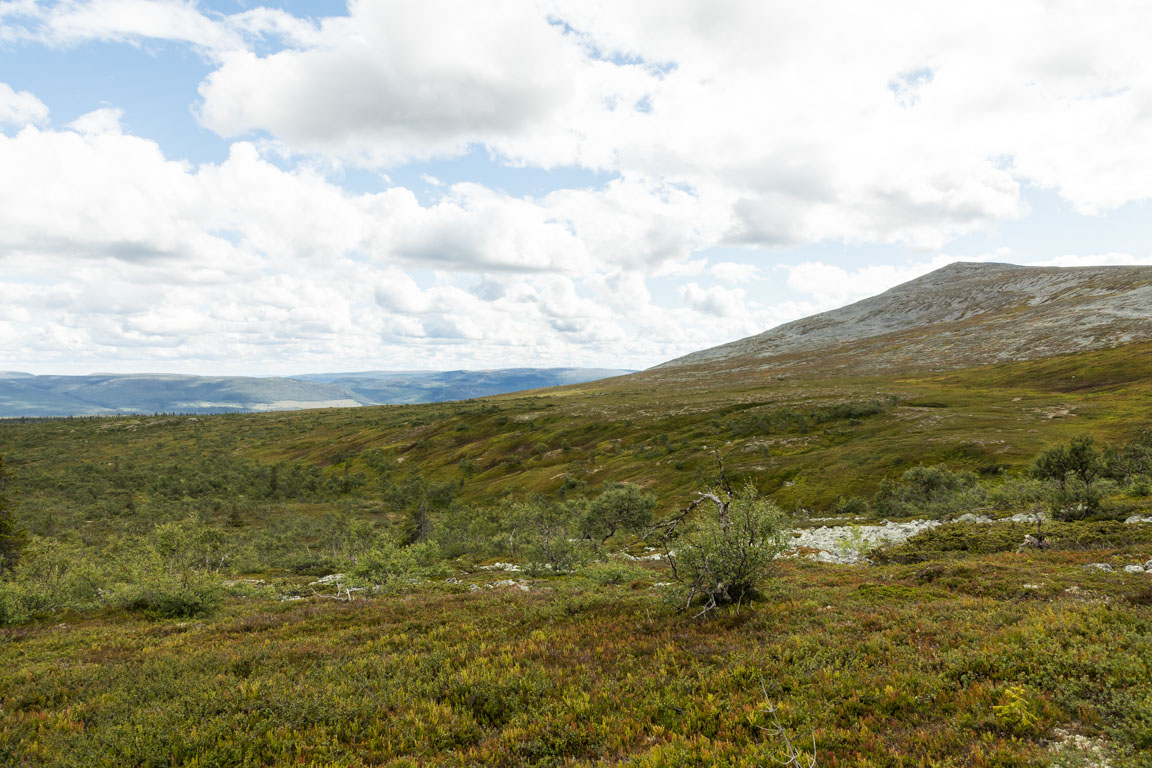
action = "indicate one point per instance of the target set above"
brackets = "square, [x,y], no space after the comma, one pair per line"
[641,558]
[968,517]
[1137,519]
[1148,565]
[1078,750]
[1134,569]
[332,577]
[1030,586]
[499,567]
[1100,567]
[508,583]
[847,544]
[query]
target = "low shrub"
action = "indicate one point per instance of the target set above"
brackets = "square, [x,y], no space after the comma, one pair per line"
[614,572]
[721,555]
[929,491]
[390,565]
[169,599]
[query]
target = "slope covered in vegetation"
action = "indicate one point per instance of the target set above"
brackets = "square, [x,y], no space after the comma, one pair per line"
[438,585]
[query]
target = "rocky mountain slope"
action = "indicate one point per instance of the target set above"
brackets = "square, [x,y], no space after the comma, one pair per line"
[965,314]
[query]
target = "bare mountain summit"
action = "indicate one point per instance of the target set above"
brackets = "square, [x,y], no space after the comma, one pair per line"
[962,315]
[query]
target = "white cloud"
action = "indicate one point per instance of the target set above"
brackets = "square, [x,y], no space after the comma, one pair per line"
[743,123]
[717,300]
[1092,260]
[112,253]
[20,108]
[395,80]
[104,120]
[74,21]
[782,124]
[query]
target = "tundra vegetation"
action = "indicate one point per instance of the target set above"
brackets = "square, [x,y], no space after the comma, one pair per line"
[569,579]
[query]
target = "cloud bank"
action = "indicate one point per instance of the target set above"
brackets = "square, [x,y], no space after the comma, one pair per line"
[747,126]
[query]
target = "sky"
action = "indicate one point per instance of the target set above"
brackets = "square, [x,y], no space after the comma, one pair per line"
[231,187]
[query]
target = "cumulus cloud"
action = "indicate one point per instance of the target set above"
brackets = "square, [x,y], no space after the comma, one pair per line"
[110,251]
[395,79]
[746,123]
[19,108]
[782,124]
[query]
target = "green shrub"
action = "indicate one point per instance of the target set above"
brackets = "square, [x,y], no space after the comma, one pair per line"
[951,539]
[14,608]
[932,491]
[620,507]
[614,572]
[721,556]
[169,598]
[390,565]
[853,506]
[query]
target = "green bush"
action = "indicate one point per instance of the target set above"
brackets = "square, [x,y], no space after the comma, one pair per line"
[620,507]
[721,555]
[932,491]
[853,506]
[613,573]
[390,565]
[170,598]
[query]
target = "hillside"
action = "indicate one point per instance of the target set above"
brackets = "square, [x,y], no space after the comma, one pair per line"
[181,599]
[963,315]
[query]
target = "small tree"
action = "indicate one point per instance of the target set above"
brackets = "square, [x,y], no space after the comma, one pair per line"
[1078,462]
[622,507]
[547,533]
[720,557]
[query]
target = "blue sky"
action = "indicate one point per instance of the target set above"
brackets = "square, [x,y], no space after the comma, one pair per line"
[259,188]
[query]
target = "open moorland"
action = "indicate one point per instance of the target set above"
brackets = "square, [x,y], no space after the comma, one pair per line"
[944,567]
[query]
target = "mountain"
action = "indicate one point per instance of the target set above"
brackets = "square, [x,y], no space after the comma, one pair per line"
[963,315]
[27,395]
[440,386]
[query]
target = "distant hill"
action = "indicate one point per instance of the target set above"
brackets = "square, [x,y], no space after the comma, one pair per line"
[27,395]
[965,314]
[439,386]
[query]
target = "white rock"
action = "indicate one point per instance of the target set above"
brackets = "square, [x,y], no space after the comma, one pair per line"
[1100,567]
[1134,569]
[512,583]
[653,556]
[1137,519]
[846,544]
[327,579]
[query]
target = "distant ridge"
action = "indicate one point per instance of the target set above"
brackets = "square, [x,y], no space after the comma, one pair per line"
[962,315]
[27,395]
